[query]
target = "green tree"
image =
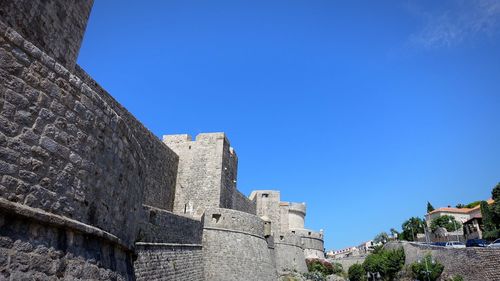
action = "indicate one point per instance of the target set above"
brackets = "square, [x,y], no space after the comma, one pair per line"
[411,228]
[427,269]
[382,237]
[394,233]
[356,273]
[487,217]
[386,262]
[446,221]
[430,208]
[495,207]
[473,204]
[491,215]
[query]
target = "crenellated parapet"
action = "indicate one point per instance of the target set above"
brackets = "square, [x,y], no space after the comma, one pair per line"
[207,174]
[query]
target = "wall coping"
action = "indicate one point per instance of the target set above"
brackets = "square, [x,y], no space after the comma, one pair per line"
[168,245]
[289,244]
[232,230]
[41,216]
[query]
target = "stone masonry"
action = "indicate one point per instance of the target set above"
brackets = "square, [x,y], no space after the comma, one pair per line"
[55,26]
[473,264]
[292,242]
[88,193]
[207,175]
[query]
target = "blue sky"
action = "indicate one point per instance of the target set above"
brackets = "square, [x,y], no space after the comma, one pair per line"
[363,109]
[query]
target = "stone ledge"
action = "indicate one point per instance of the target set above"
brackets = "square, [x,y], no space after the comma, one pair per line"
[167,244]
[288,244]
[44,217]
[234,231]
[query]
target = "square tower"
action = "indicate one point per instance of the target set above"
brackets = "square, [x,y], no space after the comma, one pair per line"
[207,172]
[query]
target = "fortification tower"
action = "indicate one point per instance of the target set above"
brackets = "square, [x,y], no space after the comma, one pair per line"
[296,215]
[207,174]
[267,206]
[54,26]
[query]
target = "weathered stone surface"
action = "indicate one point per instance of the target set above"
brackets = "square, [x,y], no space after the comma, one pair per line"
[207,175]
[234,247]
[70,148]
[33,251]
[54,26]
[169,262]
[163,226]
[289,253]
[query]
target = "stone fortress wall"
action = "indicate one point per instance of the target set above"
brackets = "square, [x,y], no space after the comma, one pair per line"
[293,243]
[207,174]
[231,241]
[85,184]
[473,264]
[57,27]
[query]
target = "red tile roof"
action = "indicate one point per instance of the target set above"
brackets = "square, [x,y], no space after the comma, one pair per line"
[459,210]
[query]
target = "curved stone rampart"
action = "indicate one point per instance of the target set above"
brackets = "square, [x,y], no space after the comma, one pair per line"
[75,169]
[234,247]
[165,261]
[312,242]
[71,150]
[36,245]
[296,215]
[289,253]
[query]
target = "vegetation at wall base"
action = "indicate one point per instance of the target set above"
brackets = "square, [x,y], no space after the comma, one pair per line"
[324,267]
[356,272]
[427,269]
[386,262]
[314,276]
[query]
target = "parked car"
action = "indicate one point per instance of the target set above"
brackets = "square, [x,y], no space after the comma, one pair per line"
[495,244]
[476,243]
[455,244]
[439,244]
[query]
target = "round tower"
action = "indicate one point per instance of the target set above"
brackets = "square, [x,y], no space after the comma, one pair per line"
[296,215]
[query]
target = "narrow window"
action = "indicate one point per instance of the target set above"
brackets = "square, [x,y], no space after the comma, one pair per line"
[216,217]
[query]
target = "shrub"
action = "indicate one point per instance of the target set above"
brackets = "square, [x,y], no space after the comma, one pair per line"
[324,267]
[314,276]
[427,269]
[387,262]
[491,235]
[356,273]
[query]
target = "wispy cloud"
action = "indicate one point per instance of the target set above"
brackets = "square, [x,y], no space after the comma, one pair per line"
[462,20]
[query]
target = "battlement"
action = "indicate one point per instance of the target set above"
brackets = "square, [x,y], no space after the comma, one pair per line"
[264,194]
[54,26]
[173,139]
[307,233]
[207,174]
[297,207]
